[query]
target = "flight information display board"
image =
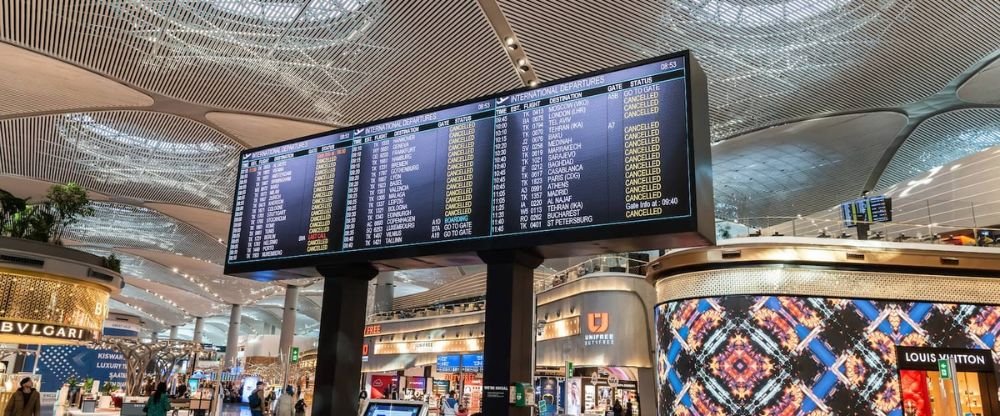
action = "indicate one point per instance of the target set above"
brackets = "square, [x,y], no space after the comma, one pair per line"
[593,155]
[866,210]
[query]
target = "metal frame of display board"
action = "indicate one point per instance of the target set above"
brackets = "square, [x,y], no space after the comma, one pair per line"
[697,229]
[510,261]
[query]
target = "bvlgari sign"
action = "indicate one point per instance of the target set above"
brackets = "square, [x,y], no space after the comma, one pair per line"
[914,358]
[32,329]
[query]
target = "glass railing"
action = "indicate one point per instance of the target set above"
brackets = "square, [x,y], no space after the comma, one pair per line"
[825,227]
[430,311]
[607,263]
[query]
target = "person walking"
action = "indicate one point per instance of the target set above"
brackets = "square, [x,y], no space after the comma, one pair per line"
[617,409]
[286,403]
[449,406]
[159,403]
[628,409]
[257,400]
[269,402]
[300,407]
[25,402]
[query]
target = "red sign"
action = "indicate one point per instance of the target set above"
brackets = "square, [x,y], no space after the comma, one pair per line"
[373,330]
[364,349]
[382,386]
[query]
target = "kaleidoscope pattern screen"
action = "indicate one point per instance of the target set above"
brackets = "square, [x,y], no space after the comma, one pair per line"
[779,355]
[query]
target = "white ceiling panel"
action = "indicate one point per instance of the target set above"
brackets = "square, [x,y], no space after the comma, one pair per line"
[984,86]
[802,167]
[32,83]
[770,61]
[140,155]
[942,139]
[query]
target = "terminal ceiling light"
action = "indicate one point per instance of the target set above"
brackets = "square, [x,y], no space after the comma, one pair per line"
[128,226]
[121,155]
[136,155]
[287,11]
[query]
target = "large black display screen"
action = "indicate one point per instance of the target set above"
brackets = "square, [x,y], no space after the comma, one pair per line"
[593,152]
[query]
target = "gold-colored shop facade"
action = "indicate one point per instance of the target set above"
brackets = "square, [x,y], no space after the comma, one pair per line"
[42,308]
[830,268]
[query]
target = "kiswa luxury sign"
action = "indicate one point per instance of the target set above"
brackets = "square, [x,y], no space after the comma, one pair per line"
[33,329]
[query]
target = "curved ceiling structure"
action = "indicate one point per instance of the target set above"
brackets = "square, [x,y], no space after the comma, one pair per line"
[770,62]
[256,131]
[942,139]
[34,83]
[141,155]
[148,103]
[321,60]
[984,86]
[802,167]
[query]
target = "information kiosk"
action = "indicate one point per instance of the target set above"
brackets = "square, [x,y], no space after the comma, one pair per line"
[394,408]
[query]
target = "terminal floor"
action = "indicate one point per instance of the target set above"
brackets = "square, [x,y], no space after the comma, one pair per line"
[228,409]
[233,409]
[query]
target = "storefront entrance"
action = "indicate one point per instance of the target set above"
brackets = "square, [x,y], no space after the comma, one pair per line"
[926,392]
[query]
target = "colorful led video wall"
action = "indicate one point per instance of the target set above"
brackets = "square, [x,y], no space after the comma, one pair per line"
[780,355]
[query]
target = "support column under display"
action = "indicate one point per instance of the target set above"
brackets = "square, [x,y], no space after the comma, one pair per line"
[341,335]
[507,350]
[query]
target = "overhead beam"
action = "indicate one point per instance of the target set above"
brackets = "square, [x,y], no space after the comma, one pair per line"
[508,41]
[944,101]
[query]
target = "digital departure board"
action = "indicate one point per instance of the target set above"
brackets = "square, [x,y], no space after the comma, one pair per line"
[607,156]
[866,210]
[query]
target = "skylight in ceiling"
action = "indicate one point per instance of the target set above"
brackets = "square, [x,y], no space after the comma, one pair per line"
[199,167]
[127,226]
[287,11]
[736,13]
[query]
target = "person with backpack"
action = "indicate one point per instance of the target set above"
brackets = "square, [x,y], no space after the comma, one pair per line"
[300,407]
[257,400]
[269,402]
[449,406]
[159,403]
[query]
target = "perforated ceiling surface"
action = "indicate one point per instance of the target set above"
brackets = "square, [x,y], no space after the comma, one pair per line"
[942,139]
[133,154]
[770,61]
[146,103]
[324,60]
[800,168]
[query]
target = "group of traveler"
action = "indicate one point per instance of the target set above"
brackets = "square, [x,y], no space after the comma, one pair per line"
[288,403]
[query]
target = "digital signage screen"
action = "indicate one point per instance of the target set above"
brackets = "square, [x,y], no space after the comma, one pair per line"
[866,210]
[609,156]
[472,363]
[448,363]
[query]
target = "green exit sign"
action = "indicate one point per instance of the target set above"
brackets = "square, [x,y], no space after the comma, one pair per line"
[294,355]
[944,370]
